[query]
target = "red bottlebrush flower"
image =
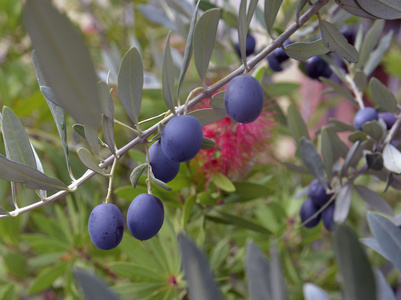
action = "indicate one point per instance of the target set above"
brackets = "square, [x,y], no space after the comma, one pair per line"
[237,146]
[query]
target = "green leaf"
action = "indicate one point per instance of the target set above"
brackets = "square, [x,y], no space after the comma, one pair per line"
[188,49]
[208,143]
[271,10]
[130,83]
[33,179]
[383,9]
[313,160]
[64,61]
[388,237]
[57,111]
[301,5]
[197,272]
[222,182]
[188,205]
[382,96]
[353,7]
[46,277]
[296,124]
[243,223]
[16,140]
[217,101]
[250,191]
[168,77]
[207,116]
[8,292]
[392,158]
[136,272]
[304,51]
[356,272]
[204,39]
[136,173]
[327,152]
[257,273]
[93,287]
[80,130]
[313,292]
[374,200]
[374,245]
[242,30]
[343,203]
[335,41]
[89,161]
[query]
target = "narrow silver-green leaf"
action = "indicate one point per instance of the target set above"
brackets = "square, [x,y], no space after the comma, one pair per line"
[357,274]
[49,95]
[335,41]
[204,39]
[89,161]
[257,273]
[313,160]
[242,30]
[57,111]
[376,56]
[168,77]
[296,124]
[313,292]
[93,288]
[136,173]
[375,200]
[209,115]
[160,183]
[370,41]
[251,11]
[373,244]
[106,99]
[130,83]
[108,133]
[388,237]
[92,138]
[384,290]
[343,203]
[353,7]
[339,89]
[383,9]
[277,281]
[16,139]
[382,96]
[392,158]
[327,152]
[64,60]
[304,51]
[188,49]
[271,10]
[33,179]
[301,5]
[197,271]
[208,143]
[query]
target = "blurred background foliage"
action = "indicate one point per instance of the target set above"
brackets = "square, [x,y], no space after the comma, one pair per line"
[40,249]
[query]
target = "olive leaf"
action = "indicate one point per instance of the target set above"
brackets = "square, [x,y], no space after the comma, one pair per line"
[354,8]
[130,83]
[383,9]
[306,50]
[204,39]
[89,161]
[136,173]
[64,61]
[271,10]
[168,77]
[335,41]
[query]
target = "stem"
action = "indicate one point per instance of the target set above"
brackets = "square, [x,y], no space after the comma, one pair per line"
[356,91]
[207,92]
[111,177]
[189,97]
[126,126]
[148,184]
[394,129]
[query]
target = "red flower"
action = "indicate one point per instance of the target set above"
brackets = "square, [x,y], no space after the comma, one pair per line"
[237,146]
